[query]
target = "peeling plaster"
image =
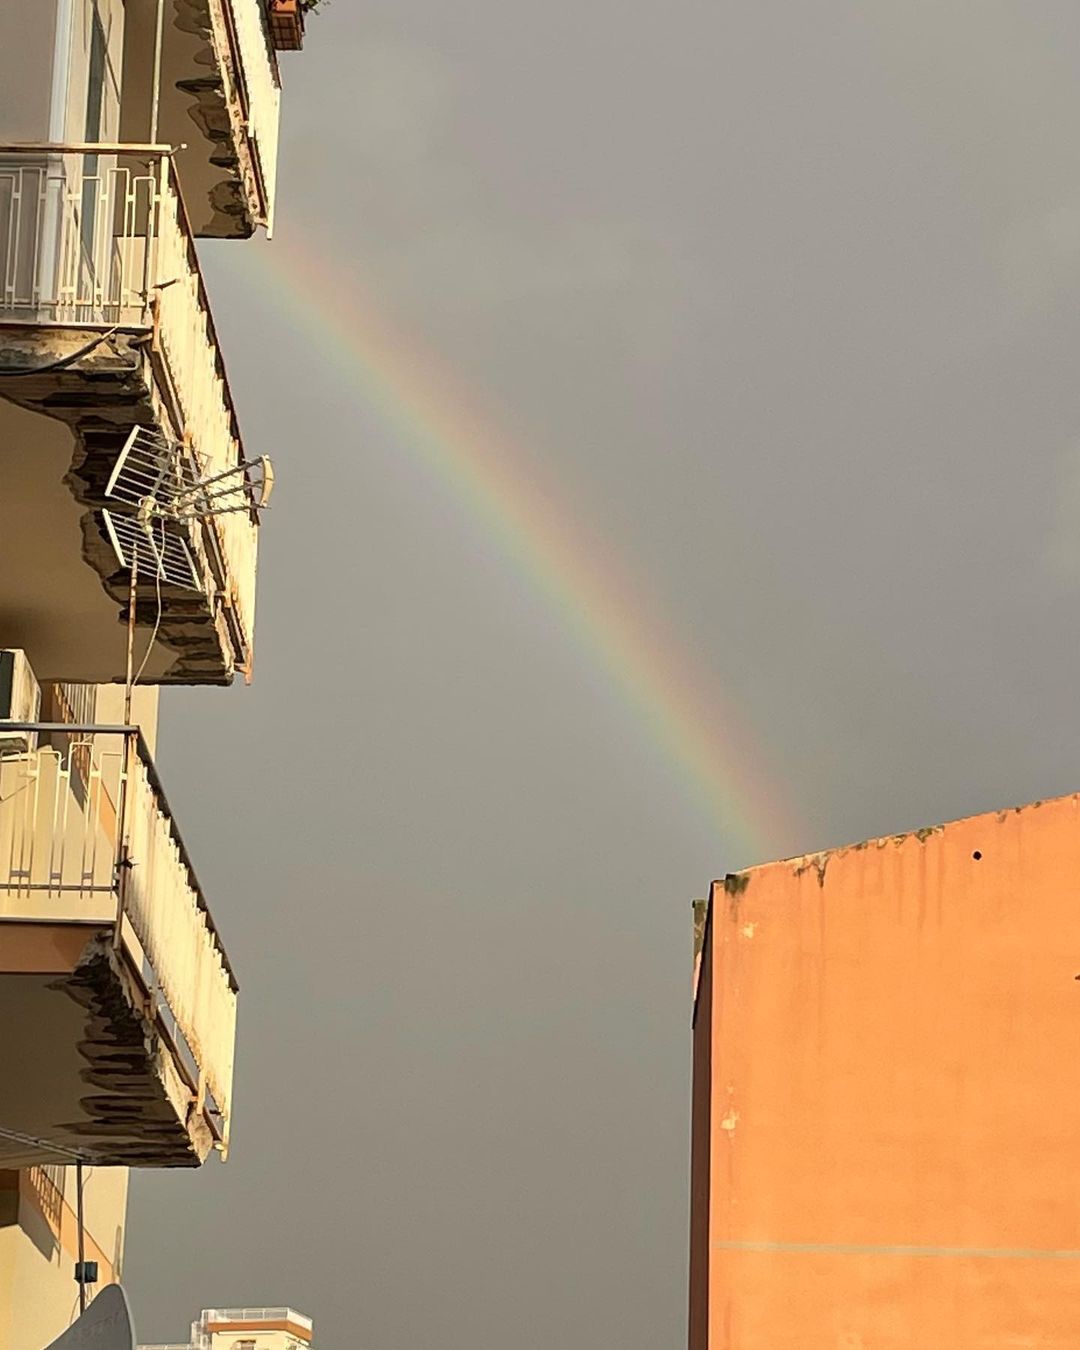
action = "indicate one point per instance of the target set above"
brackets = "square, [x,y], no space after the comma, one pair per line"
[101,397]
[233,201]
[131,1109]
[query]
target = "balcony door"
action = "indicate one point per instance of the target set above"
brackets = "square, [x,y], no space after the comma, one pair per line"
[91,166]
[93,80]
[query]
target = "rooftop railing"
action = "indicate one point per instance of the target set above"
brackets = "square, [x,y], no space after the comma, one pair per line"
[96,236]
[257,1315]
[87,836]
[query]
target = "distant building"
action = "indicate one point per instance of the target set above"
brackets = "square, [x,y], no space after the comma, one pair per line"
[886,1103]
[129,129]
[247,1329]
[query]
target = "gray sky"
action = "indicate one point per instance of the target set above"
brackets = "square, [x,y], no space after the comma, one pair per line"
[784,299]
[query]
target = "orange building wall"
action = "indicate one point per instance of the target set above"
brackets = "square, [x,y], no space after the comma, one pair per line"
[699,1160]
[886,1147]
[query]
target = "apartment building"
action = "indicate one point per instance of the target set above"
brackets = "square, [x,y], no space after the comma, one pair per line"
[129,524]
[885,1097]
[246,1329]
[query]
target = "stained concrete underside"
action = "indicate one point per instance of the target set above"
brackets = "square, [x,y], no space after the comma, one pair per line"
[220,191]
[84,1068]
[63,593]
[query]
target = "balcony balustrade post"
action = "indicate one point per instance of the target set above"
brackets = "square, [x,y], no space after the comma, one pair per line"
[162,183]
[123,864]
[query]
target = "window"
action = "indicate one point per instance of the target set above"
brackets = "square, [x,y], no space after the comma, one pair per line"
[95,80]
[95,102]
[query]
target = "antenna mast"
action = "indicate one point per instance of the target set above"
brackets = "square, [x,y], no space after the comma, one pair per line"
[157,481]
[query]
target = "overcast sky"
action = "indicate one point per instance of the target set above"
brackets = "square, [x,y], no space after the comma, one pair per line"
[783,298]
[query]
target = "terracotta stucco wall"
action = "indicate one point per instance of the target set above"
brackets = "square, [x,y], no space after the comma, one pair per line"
[700,1147]
[893,1123]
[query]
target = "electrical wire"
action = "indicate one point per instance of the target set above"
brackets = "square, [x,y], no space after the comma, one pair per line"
[72,1156]
[157,618]
[80,1270]
[62,1150]
[62,361]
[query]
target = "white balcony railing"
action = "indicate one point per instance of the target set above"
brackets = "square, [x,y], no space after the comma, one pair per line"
[259,93]
[96,236]
[297,1319]
[250,1321]
[86,833]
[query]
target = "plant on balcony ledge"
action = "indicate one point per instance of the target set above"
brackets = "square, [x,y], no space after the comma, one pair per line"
[287,22]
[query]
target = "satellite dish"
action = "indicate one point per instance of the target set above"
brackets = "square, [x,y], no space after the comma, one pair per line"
[105,1325]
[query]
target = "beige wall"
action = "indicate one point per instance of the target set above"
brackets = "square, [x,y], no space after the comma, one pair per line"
[277,1339]
[52,603]
[38,1294]
[27,44]
[111,14]
[28,51]
[144,704]
[38,1248]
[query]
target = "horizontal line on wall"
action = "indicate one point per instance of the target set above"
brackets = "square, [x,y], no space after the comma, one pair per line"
[888,1249]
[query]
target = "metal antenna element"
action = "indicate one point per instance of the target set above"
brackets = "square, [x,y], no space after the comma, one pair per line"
[156,479]
[158,493]
[155,472]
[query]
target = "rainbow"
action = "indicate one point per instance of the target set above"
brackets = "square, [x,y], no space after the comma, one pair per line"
[694,730]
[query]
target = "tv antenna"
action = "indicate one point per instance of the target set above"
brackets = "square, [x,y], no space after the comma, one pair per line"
[159,494]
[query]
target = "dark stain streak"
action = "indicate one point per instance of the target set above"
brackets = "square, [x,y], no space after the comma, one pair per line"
[735,883]
[232,202]
[101,397]
[130,1120]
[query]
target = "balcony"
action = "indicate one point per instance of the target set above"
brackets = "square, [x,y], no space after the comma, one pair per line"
[104,327]
[220,94]
[115,989]
[258,1328]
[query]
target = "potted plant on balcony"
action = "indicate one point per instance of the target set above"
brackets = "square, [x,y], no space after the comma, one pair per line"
[287,22]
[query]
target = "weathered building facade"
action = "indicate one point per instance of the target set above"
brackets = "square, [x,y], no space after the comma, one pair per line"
[129,129]
[247,1329]
[885,1103]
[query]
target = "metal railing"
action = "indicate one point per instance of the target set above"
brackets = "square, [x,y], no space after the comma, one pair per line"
[46,1185]
[86,834]
[96,236]
[248,1321]
[297,1319]
[259,93]
[77,701]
